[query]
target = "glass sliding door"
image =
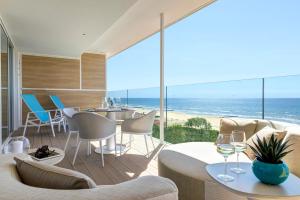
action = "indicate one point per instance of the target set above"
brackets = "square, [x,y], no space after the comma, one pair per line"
[4,86]
[10,87]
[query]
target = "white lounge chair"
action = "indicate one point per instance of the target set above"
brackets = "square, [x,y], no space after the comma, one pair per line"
[39,116]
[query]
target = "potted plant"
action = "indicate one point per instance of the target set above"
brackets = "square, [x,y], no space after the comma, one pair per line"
[268,166]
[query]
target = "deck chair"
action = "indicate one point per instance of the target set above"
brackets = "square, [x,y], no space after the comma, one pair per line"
[38,116]
[59,113]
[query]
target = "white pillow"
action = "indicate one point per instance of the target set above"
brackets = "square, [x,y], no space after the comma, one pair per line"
[266,132]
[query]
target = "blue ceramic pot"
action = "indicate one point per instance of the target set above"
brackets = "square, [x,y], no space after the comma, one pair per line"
[268,173]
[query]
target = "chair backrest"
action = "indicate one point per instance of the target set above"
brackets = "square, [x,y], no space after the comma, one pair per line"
[128,114]
[34,106]
[148,120]
[142,124]
[57,102]
[94,126]
[68,115]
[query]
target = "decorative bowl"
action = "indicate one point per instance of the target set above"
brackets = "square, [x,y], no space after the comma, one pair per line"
[268,173]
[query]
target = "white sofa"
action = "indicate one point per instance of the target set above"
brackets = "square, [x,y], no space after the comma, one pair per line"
[185,163]
[143,188]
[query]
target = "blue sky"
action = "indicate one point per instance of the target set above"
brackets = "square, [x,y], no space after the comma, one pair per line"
[228,40]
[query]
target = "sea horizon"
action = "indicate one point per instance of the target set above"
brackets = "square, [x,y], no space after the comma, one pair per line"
[279,109]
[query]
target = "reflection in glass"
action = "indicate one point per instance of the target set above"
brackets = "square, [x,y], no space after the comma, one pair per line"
[4,84]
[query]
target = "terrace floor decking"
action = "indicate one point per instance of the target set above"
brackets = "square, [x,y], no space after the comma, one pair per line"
[118,169]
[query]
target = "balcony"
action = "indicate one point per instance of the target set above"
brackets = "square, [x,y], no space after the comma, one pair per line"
[129,166]
[49,49]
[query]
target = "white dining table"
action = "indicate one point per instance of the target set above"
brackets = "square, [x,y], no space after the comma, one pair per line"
[109,147]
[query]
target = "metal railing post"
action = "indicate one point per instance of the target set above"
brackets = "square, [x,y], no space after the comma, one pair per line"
[166,101]
[127,97]
[263,99]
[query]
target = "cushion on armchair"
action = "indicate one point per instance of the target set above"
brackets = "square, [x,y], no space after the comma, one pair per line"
[266,132]
[227,125]
[52,177]
[293,158]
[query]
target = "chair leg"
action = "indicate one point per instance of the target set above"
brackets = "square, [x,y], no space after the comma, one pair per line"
[24,131]
[52,129]
[146,145]
[64,125]
[68,139]
[51,124]
[115,138]
[152,141]
[39,127]
[102,158]
[121,143]
[76,152]
[59,126]
[88,148]
[77,140]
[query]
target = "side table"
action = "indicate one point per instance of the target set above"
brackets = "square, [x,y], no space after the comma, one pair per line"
[249,186]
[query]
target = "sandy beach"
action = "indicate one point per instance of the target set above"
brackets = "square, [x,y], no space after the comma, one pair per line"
[174,117]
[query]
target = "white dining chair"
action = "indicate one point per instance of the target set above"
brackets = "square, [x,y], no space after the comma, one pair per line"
[71,124]
[121,116]
[94,127]
[139,126]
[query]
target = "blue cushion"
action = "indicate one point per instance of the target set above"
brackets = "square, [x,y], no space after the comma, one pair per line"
[34,105]
[57,102]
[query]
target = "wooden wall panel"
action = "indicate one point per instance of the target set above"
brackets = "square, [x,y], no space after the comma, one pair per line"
[93,71]
[49,72]
[62,76]
[82,99]
[4,97]
[4,70]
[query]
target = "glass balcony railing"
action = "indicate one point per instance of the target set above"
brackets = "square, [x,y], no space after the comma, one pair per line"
[193,112]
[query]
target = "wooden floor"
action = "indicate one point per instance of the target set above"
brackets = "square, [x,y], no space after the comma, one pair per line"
[118,169]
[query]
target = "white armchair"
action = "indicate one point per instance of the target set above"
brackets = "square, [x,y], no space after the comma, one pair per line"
[93,127]
[139,126]
[72,125]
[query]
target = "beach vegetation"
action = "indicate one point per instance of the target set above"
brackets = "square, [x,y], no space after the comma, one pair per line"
[178,133]
[198,122]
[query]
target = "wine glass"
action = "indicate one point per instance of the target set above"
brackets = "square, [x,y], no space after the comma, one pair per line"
[225,148]
[240,145]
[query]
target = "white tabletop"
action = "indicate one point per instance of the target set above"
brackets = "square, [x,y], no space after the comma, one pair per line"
[113,109]
[51,161]
[248,185]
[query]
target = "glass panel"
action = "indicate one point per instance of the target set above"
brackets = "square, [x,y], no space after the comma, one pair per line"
[194,111]
[10,88]
[282,99]
[137,67]
[143,101]
[4,84]
[119,97]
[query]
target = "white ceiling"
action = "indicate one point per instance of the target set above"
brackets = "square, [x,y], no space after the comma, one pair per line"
[55,27]
[143,20]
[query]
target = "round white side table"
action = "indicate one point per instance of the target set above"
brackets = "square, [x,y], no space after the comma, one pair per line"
[249,186]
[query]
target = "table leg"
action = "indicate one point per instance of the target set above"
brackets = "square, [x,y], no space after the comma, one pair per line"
[109,148]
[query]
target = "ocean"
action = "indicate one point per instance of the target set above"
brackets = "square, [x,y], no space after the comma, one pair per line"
[280,109]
